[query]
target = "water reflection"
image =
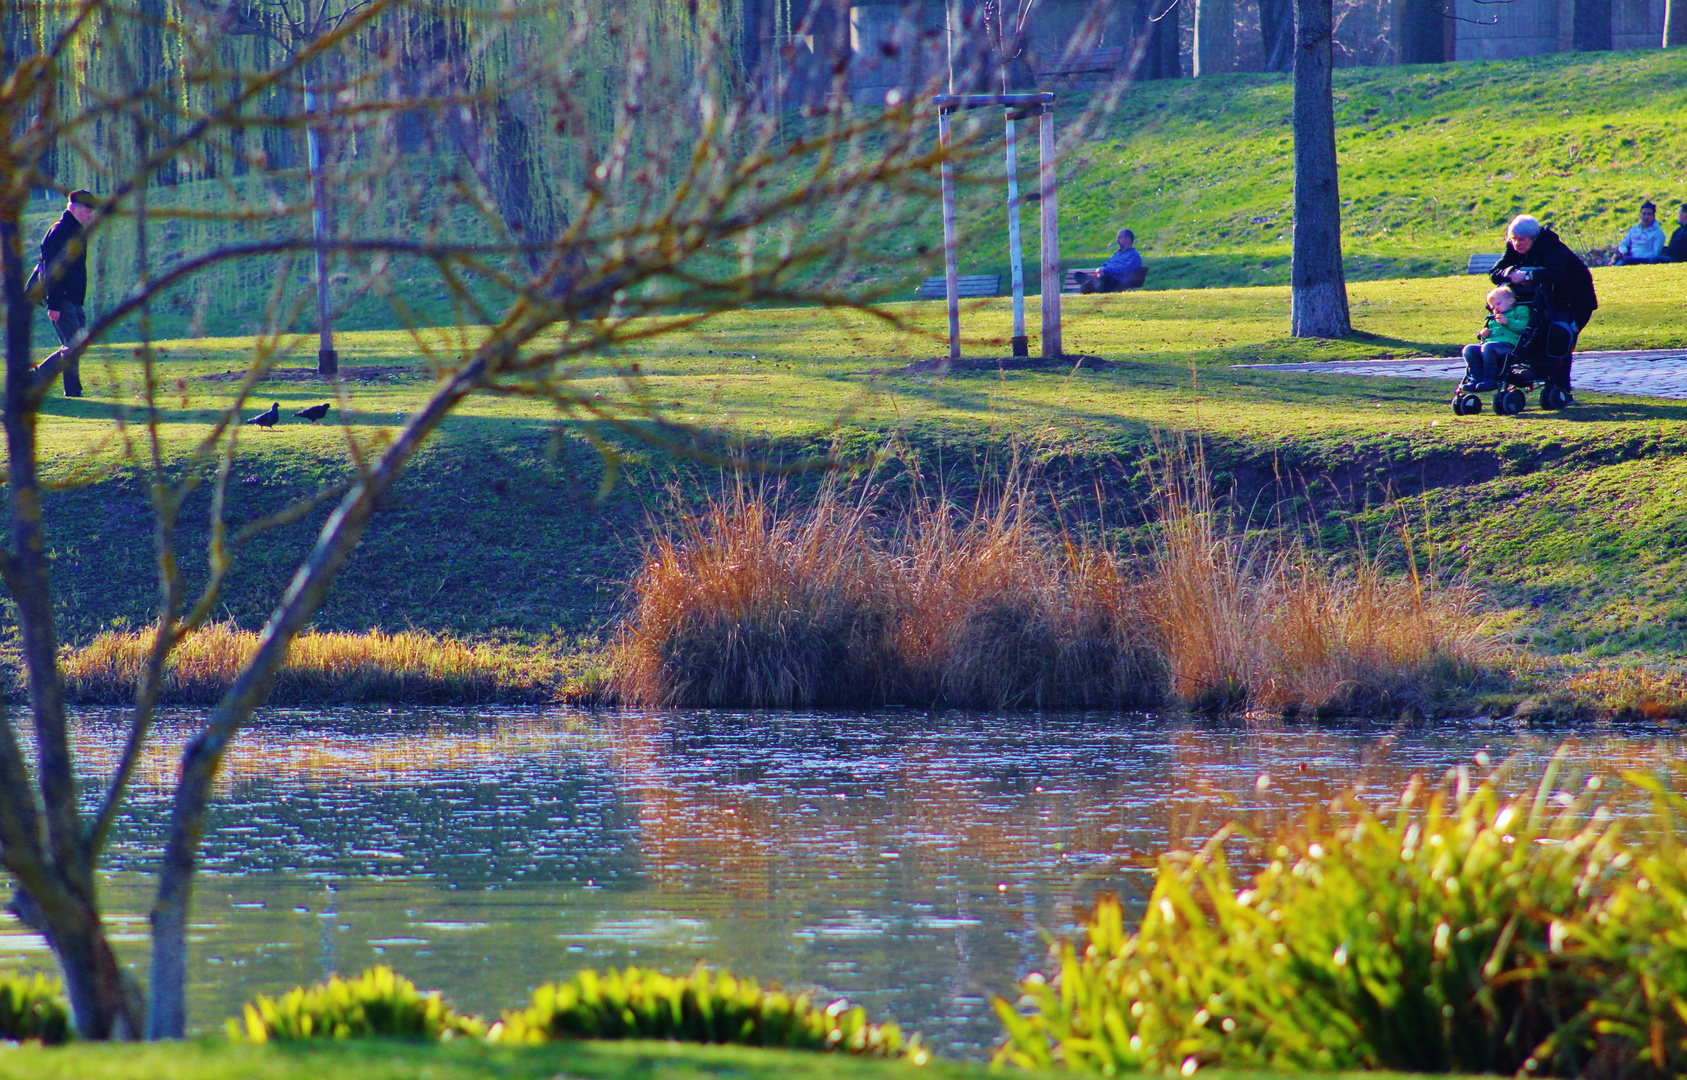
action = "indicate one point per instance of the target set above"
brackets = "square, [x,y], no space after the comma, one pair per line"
[909,861]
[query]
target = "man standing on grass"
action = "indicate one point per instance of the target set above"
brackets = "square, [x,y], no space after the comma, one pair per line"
[64,274]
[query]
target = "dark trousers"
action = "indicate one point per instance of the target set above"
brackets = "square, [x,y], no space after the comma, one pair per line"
[1486,362]
[67,326]
[1095,281]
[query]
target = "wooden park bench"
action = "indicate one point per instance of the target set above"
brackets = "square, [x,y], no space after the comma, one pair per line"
[1069,281]
[1093,62]
[1481,264]
[969,286]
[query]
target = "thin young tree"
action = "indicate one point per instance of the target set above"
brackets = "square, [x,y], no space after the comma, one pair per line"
[1318,286]
[664,179]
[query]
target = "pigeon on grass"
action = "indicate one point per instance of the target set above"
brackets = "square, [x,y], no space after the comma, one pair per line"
[268,418]
[313,414]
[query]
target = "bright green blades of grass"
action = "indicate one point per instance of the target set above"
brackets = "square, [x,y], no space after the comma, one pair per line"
[1462,931]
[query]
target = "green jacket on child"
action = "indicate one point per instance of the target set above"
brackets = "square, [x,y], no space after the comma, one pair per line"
[1510,331]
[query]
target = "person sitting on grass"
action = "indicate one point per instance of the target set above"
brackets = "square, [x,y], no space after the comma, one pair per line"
[1676,249]
[1123,271]
[1485,361]
[1644,243]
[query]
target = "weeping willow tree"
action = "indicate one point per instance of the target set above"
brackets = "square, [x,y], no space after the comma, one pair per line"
[576,177]
[516,106]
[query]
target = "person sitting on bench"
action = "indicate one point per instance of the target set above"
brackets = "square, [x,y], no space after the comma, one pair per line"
[1123,271]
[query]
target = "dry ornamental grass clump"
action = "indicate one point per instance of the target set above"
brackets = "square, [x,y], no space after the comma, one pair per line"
[749,608]
[321,667]
[749,604]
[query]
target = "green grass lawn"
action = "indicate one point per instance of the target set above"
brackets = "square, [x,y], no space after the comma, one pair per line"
[1434,160]
[1569,522]
[388,1060]
[383,1060]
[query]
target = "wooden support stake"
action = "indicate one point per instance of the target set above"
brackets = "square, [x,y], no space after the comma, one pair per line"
[1016,264]
[1051,235]
[951,267]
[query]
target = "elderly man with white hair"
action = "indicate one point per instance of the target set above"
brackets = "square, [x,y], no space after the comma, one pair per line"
[1535,262]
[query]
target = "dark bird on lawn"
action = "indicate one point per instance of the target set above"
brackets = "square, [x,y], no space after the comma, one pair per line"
[267,419]
[314,413]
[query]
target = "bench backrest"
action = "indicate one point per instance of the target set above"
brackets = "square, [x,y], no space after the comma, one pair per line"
[968,286]
[1481,264]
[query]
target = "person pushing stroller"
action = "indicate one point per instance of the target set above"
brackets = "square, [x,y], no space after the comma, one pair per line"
[1485,361]
[1539,264]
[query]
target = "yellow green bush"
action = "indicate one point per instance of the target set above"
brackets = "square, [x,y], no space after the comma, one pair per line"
[1463,933]
[703,1007]
[378,1002]
[32,1008]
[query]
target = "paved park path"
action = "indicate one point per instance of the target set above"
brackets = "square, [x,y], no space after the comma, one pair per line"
[1642,372]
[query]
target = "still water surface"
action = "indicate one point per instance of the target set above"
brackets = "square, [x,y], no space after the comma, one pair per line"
[912,862]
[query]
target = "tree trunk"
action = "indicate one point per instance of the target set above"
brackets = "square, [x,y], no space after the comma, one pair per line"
[57,897]
[1675,24]
[1419,32]
[1215,37]
[1157,40]
[1318,289]
[1592,26]
[1276,35]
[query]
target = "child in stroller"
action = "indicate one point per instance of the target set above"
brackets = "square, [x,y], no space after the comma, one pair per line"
[1485,361]
[1524,344]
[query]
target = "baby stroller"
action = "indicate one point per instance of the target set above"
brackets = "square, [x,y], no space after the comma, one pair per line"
[1541,358]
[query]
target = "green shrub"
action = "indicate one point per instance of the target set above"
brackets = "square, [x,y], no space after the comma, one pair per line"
[1640,938]
[1453,937]
[703,1007]
[32,1008]
[376,1003]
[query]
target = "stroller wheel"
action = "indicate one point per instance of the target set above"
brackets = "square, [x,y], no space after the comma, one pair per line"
[1553,398]
[1509,402]
[1466,404]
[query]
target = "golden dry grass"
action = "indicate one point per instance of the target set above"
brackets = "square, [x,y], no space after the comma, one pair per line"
[745,604]
[322,668]
[742,606]
[1245,624]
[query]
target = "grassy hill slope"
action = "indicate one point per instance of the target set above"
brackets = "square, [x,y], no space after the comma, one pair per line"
[1434,161]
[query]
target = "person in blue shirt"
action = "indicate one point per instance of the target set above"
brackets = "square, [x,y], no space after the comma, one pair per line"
[1123,271]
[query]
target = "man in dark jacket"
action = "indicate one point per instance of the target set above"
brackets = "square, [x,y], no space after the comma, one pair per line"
[1676,249]
[1535,259]
[64,274]
[1123,271]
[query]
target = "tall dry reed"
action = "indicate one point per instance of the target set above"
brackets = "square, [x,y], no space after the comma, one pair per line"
[745,606]
[742,605]
[749,604]
[997,611]
[331,667]
[1269,624]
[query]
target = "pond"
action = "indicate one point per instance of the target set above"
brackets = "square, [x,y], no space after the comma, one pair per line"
[912,862]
